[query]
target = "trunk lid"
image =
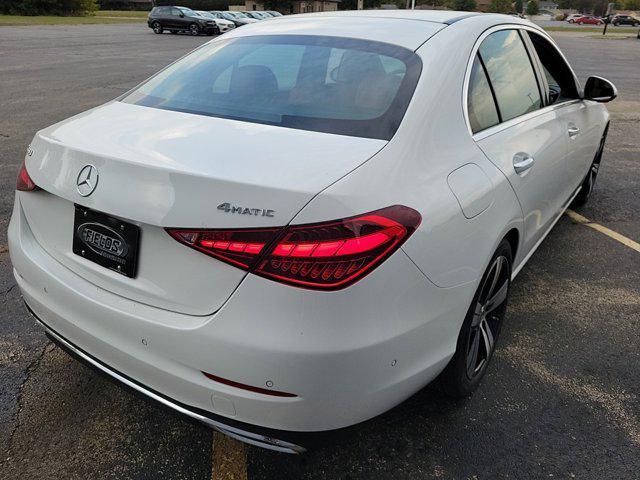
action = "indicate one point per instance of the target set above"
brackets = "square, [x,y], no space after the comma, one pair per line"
[158,169]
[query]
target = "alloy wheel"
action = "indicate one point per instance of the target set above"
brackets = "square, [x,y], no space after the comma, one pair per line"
[487,317]
[193,29]
[157,28]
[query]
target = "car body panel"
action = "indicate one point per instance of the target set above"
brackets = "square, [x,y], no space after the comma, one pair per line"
[591,119]
[544,139]
[281,169]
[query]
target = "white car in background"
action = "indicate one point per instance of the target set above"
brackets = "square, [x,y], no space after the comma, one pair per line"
[223,25]
[391,173]
[239,18]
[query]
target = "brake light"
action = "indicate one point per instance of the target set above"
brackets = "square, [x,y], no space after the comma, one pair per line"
[24,182]
[237,247]
[326,256]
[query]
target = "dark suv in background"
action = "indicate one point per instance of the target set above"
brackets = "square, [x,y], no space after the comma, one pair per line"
[180,19]
[624,20]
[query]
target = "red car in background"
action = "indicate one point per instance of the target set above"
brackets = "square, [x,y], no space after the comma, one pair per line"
[588,20]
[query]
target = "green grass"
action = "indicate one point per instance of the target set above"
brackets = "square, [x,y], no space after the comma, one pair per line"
[591,29]
[98,18]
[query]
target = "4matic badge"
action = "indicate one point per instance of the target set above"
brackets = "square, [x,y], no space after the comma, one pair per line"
[258,212]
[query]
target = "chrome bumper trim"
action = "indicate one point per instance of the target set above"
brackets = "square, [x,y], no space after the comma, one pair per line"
[242,435]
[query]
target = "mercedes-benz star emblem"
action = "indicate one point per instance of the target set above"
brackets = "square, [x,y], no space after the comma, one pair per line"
[87,180]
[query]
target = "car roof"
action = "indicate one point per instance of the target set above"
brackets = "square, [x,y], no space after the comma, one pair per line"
[436,16]
[405,28]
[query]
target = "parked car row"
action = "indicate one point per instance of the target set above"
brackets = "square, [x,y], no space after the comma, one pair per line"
[583,19]
[182,19]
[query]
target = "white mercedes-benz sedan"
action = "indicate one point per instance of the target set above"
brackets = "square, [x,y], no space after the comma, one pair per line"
[390,172]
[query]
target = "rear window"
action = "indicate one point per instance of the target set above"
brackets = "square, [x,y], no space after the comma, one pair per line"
[326,84]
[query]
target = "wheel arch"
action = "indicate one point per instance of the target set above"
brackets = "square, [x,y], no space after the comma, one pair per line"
[513,237]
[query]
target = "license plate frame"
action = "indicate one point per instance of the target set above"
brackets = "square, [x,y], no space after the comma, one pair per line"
[105,240]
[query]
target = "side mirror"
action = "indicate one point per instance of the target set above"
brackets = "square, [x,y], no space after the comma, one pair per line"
[182,15]
[599,90]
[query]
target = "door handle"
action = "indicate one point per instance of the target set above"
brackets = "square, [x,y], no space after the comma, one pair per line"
[522,162]
[573,131]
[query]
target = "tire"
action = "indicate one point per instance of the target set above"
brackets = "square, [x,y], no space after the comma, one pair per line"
[572,21]
[174,32]
[157,28]
[481,327]
[194,29]
[590,179]
[580,23]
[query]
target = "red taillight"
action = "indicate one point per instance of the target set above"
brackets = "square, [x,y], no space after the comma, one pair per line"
[237,247]
[327,256]
[24,182]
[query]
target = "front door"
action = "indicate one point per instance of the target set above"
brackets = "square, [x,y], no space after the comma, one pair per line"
[582,123]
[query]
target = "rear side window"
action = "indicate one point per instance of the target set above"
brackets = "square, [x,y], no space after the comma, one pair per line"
[326,84]
[480,102]
[511,74]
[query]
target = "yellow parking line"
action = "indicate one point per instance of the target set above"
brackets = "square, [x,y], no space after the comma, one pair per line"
[229,458]
[576,217]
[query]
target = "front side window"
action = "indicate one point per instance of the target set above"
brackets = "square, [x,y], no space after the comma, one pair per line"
[560,80]
[511,74]
[326,84]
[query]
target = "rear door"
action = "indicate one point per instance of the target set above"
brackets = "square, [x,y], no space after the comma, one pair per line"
[511,125]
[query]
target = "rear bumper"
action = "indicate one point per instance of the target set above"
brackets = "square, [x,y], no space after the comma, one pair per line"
[348,355]
[261,437]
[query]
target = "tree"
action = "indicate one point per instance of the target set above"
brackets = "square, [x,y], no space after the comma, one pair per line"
[500,6]
[533,7]
[48,7]
[518,6]
[463,5]
[632,4]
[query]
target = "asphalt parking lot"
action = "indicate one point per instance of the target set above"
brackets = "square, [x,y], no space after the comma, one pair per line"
[560,400]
